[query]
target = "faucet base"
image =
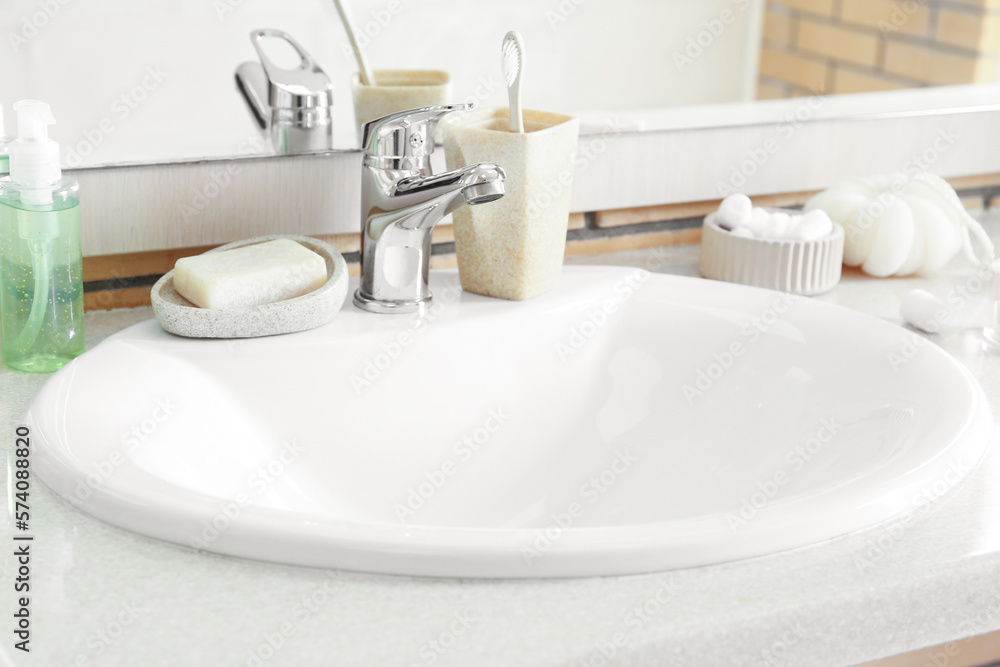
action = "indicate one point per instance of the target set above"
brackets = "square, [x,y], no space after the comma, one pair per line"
[383,307]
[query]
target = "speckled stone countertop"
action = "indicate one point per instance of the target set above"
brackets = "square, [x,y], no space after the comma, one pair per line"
[104,596]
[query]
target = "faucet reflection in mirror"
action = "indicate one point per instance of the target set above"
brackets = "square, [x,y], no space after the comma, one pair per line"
[401,202]
[294,107]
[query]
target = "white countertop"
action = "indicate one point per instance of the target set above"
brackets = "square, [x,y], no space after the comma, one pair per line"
[104,596]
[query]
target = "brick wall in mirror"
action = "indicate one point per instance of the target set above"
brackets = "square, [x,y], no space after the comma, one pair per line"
[861,46]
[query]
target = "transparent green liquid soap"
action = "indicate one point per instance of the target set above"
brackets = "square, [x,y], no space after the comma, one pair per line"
[41,264]
[41,281]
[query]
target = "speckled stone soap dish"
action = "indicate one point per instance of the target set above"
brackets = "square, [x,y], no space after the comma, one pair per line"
[179,316]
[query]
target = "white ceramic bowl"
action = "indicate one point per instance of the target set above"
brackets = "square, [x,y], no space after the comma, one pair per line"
[786,265]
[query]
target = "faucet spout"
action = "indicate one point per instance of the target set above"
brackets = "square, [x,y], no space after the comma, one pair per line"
[425,200]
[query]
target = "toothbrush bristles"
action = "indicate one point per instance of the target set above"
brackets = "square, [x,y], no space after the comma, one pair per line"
[511,61]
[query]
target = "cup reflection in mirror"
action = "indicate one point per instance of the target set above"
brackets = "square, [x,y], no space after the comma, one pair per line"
[399,90]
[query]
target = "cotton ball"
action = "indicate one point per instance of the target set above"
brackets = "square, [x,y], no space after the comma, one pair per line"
[759,222]
[813,225]
[779,225]
[735,210]
[922,310]
[742,231]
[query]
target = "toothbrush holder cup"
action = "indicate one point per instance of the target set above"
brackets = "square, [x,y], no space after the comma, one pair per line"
[514,248]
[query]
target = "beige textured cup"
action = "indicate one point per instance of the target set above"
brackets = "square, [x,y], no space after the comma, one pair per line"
[398,90]
[513,248]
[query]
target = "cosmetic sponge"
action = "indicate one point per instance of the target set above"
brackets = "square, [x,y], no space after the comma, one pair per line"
[252,275]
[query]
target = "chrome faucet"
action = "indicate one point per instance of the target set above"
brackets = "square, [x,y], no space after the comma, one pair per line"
[401,202]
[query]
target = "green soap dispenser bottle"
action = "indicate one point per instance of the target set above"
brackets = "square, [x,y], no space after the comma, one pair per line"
[41,264]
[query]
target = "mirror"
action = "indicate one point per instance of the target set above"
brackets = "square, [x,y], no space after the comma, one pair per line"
[155,82]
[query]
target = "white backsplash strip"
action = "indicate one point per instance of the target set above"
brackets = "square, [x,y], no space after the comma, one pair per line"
[132,209]
[704,164]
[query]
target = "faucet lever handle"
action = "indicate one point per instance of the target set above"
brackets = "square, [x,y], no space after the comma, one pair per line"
[405,134]
[304,86]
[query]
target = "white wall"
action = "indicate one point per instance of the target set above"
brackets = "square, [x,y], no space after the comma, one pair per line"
[91,58]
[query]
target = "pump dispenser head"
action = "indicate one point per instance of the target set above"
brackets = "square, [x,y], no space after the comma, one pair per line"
[34,158]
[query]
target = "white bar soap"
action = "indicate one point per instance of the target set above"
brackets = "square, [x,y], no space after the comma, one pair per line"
[249,276]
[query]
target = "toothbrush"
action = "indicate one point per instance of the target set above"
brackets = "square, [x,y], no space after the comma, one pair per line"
[512,56]
[364,74]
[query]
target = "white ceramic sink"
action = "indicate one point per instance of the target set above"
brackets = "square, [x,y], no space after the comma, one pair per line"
[623,423]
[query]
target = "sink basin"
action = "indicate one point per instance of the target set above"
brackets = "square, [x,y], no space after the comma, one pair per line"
[626,422]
